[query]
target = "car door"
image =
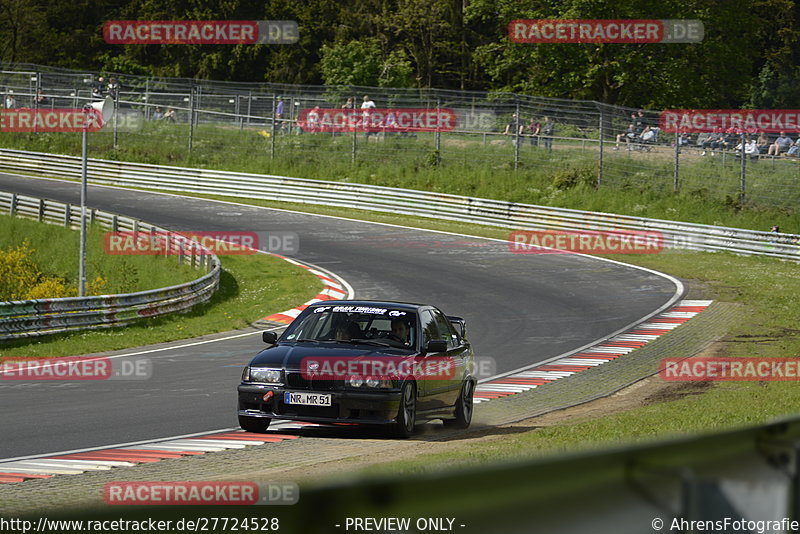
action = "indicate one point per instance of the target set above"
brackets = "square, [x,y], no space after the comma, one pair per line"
[457,352]
[429,331]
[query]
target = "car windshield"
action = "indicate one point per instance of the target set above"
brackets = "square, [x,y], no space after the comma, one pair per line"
[357,325]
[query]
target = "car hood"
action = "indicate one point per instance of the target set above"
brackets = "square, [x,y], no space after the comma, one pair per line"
[290,356]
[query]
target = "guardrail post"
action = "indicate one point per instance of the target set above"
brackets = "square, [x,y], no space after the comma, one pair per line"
[41,210]
[600,156]
[743,174]
[12,209]
[677,165]
[67,215]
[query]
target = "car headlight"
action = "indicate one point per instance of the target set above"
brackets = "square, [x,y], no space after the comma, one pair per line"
[263,375]
[369,382]
[355,381]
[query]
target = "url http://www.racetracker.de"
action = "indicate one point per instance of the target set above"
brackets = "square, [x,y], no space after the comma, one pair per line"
[195,524]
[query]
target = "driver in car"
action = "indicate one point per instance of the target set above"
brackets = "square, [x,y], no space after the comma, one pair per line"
[400,331]
[347,331]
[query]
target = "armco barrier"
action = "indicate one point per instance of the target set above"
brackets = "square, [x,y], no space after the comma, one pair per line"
[28,318]
[404,201]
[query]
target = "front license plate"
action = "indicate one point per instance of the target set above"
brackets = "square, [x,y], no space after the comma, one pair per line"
[307,399]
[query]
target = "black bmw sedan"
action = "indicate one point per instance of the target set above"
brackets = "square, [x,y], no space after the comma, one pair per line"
[362,362]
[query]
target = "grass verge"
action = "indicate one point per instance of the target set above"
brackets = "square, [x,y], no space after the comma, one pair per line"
[251,287]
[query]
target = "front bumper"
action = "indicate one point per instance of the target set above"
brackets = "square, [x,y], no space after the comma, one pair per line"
[347,406]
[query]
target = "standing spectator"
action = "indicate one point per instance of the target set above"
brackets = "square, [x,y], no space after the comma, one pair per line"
[511,127]
[98,88]
[279,109]
[640,121]
[781,145]
[113,88]
[535,129]
[348,104]
[366,105]
[10,102]
[41,99]
[312,120]
[547,134]
[158,114]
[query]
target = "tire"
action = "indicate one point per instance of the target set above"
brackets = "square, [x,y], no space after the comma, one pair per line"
[464,407]
[254,424]
[403,426]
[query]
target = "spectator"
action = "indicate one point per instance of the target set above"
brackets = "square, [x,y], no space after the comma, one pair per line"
[279,109]
[535,129]
[717,141]
[750,149]
[639,121]
[627,136]
[98,88]
[547,131]
[366,105]
[312,119]
[794,150]
[41,99]
[10,102]
[158,114]
[348,104]
[775,229]
[170,115]
[113,88]
[762,143]
[781,145]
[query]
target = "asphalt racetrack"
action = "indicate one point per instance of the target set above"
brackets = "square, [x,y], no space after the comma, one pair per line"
[520,309]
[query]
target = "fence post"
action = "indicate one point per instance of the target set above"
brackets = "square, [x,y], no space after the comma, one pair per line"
[147,99]
[191,118]
[438,135]
[249,105]
[272,135]
[516,133]
[114,118]
[355,134]
[600,158]
[677,165]
[36,88]
[743,176]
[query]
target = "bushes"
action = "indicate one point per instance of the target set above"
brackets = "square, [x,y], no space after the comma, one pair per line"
[21,278]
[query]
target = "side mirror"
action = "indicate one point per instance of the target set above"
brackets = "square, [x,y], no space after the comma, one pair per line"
[269,337]
[436,345]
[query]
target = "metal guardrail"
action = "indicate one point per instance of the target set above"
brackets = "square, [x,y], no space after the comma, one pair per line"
[28,318]
[402,201]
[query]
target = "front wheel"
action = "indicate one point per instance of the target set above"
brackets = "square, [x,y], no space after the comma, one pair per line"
[407,412]
[464,405]
[254,424]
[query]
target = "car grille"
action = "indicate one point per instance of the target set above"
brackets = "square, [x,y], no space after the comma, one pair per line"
[298,381]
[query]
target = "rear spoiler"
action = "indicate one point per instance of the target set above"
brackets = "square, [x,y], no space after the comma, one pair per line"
[460,325]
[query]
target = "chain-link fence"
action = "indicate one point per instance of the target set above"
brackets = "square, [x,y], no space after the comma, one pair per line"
[325,126]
